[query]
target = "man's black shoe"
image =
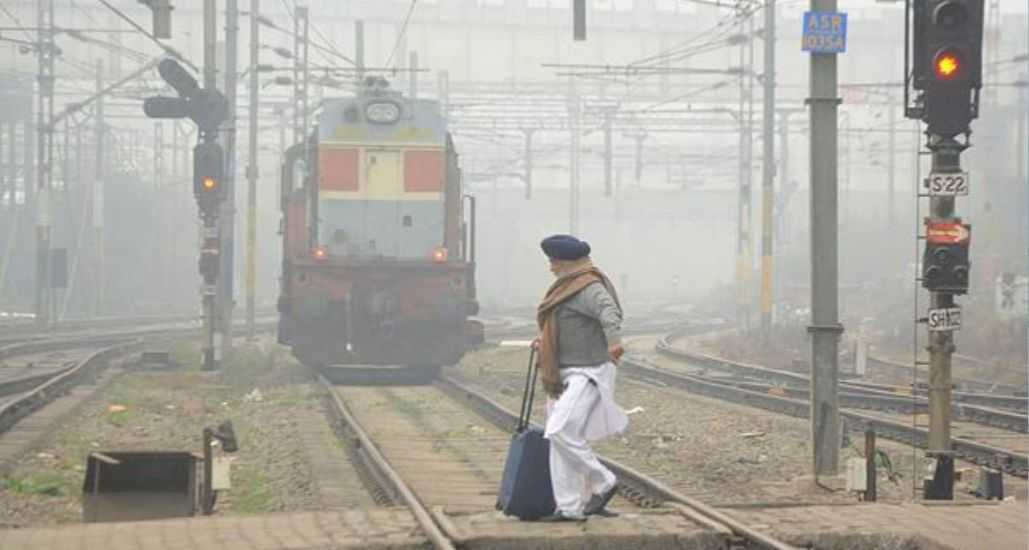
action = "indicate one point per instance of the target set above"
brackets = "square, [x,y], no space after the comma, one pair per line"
[558,517]
[598,502]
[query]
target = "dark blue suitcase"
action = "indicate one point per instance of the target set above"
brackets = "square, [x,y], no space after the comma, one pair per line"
[525,488]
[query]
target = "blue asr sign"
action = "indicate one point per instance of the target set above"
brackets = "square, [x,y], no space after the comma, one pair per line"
[824,32]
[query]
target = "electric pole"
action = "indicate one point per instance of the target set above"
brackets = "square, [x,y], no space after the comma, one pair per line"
[44,165]
[743,214]
[301,74]
[608,153]
[573,163]
[768,173]
[225,295]
[891,167]
[252,169]
[528,162]
[825,328]
[98,193]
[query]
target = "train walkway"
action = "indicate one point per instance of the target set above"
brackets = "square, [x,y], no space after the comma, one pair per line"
[974,525]
[947,526]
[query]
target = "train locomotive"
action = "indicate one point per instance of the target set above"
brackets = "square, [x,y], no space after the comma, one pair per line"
[378,256]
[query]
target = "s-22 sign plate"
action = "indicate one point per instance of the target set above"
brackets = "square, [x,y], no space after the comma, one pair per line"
[943,184]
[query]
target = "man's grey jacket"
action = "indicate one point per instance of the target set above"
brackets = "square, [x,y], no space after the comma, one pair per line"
[587,324]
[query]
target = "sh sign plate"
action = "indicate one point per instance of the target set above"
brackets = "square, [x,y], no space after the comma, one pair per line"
[945,319]
[824,32]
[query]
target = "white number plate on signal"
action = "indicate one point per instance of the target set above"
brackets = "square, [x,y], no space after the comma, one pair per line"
[945,319]
[948,185]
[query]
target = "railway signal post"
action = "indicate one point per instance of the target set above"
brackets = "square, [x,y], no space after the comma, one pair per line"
[207,107]
[946,57]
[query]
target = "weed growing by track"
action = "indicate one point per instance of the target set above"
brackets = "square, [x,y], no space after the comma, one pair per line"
[260,388]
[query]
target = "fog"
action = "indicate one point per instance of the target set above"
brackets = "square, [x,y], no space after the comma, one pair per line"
[665,231]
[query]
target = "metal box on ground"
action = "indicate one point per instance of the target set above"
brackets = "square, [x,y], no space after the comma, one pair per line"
[991,484]
[139,485]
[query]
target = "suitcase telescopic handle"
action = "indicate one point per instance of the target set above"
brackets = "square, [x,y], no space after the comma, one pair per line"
[528,394]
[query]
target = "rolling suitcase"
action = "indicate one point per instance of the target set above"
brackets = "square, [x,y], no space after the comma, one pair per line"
[525,489]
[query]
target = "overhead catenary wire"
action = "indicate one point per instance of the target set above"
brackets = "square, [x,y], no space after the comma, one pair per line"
[403,31]
[166,48]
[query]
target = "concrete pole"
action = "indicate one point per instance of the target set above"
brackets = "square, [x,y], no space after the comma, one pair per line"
[825,327]
[608,154]
[528,162]
[359,49]
[638,172]
[412,78]
[743,218]
[212,347]
[1020,140]
[255,86]
[44,166]
[784,178]
[210,36]
[98,194]
[225,296]
[573,162]
[768,173]
[891,166]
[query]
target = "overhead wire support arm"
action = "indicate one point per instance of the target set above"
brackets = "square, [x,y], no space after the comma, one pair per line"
[79,105]
[166,48]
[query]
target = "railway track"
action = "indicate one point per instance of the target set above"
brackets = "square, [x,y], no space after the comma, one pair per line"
[25,391]
[853,394]
[1010,460]
[439,450]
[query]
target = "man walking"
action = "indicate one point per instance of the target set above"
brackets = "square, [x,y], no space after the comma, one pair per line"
[580,322]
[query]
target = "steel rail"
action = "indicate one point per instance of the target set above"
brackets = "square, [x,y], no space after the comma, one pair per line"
[637,481]
[59,383]
[979,453]
[861,398]
[1016,402]
[376,462]
[855,395]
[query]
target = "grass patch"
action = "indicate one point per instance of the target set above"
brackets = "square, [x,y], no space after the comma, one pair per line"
[46,485]
[250,494]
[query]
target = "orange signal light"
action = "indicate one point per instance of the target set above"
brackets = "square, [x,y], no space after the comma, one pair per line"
[948,65]
[320,253]
[439,255]
[210,183]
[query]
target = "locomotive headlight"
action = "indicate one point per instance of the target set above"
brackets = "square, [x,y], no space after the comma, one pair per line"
[382,112]
[439,255]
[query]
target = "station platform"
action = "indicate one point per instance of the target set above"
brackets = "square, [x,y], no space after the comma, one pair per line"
[944,526]
[377,529]
[374,529]
[972,525]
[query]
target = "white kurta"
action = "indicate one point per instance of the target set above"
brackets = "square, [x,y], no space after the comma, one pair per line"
[586,411]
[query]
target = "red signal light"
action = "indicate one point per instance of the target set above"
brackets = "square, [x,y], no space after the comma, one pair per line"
[439,255]
[320,253]
[948,65]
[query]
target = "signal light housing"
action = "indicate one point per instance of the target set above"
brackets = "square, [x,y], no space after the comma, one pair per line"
[945,265]
[947,63]
[208,172]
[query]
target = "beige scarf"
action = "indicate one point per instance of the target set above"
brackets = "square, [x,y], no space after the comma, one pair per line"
[583,274]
